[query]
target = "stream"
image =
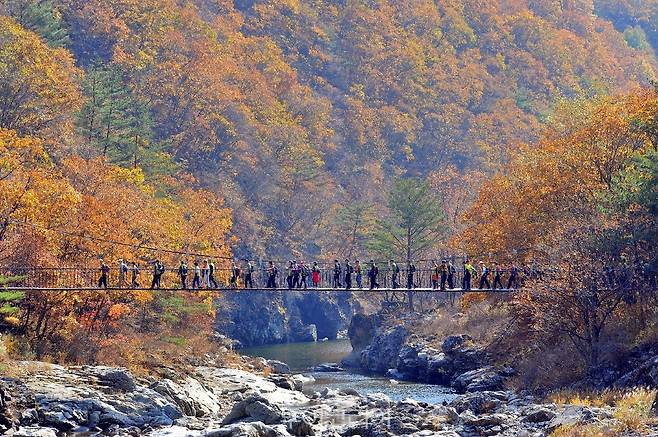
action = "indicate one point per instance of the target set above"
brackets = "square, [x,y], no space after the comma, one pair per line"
[302,357]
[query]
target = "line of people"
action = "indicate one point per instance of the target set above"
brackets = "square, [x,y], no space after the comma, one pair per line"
[443,275]
[203,274]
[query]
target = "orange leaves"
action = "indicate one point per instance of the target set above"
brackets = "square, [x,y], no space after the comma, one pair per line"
[554,185]
[38,84]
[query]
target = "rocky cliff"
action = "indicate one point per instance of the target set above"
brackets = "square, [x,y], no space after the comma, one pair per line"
[255,317]
[394,351]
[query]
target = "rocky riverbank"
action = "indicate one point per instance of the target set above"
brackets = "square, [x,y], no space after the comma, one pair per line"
[257,318]
[49,400]
[394,351]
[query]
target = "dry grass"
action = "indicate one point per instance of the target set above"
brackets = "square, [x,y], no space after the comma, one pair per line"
[482,322]
[632,414]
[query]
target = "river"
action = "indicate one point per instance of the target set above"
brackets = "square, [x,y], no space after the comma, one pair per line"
[302,357]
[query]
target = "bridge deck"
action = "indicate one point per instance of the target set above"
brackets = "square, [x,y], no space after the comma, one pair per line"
[322,290]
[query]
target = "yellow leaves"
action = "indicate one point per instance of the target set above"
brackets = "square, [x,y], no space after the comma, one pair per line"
[118,310]
[42,80]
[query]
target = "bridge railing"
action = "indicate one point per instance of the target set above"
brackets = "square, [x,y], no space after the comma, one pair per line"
[87,277]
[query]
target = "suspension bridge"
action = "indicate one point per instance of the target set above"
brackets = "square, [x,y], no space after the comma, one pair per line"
[86,279]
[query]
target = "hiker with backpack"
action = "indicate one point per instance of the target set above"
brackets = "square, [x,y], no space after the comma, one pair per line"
[105,269]
[158,271]
[303,274]
[272,272]
[182,274]
[348,274]
[235,275]
[411,269]
[248,276]
[395,271]
[337,272]
[372,275]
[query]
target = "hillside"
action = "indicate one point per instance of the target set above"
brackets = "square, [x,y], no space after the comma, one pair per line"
[322,102]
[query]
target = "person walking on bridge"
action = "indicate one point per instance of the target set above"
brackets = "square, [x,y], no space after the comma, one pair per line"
[348,274]
[469,273]
[372,275]
[123,272]
[105,269]
[315,274]
[496,271]
[359,276]
[296,274]
[196,279]
[134,273]
[452,270]
[272,271]
[435,275]
[411,269]
[484,276]
[337,272]
[289,274]
[182,274]
[444,273]
[205,274]
[235,275]
[395,271]
[512,282]
[303,274]
[158,271]
[248,276]
[211,275]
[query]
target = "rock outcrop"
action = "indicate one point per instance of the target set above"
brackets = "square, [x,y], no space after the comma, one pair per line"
[394,351]
[257,318]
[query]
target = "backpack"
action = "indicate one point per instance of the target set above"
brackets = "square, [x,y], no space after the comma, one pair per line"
[212,268]
[162,269]
[397,268]
[124,268]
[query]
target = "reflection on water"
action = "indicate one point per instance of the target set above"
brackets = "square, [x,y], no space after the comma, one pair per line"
[302,357]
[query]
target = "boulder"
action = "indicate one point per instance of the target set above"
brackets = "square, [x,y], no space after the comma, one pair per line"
[483,379]
[480,402]
[328,367]
[453,342]
[256,408]
[382,353]
[35,431]
[191,397]
[286,381]
[538,414]
[116,378]
[255,429]
[278,367]
[300,425]
[409,365]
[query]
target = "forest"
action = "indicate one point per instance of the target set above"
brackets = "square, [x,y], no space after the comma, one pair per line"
[268,129]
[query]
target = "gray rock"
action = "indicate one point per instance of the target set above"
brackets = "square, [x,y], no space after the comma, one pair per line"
[483,379]
[538,414]
[328,367]
[382,353]
[117,378]
[35,431]
[255,429]
[191,397]
[300,425]
[453,342]
[484,420]
[480,402]
[257,409]
[278,367]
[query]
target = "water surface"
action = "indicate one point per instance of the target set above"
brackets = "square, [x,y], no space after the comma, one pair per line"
[302,357]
